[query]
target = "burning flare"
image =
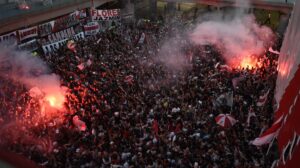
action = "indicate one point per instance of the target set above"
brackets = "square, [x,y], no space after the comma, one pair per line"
[248,61]
[55,101]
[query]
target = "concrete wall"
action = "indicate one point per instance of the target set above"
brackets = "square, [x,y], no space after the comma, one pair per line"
[3,2]
[28,19]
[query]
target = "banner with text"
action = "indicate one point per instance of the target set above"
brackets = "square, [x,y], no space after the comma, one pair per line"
[9,38]
[53,46]
[65,22]
[29,46]
[103,15]
[67,33]
[28,33]
[91,28]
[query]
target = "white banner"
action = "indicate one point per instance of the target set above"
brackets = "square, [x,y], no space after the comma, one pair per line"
[29,46]
[9,38]
[67,33]
[91,28]
[103,15]
[28,33]
[53,46]
[79,36]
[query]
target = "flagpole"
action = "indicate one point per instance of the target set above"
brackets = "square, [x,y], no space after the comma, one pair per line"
[271,144]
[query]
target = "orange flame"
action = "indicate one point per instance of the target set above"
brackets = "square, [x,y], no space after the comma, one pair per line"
[55,101]
[248,61]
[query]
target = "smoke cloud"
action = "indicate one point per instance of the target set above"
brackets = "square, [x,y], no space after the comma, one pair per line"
[235,34]
[22,67]
[171,53]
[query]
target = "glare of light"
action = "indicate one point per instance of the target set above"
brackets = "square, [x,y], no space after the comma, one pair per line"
[55,101]
[246,61]
[283,69]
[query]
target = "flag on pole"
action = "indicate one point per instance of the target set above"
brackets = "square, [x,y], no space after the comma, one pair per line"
[268,135]
[273,51]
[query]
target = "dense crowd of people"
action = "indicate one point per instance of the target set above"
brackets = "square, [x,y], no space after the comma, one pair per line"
[141,112]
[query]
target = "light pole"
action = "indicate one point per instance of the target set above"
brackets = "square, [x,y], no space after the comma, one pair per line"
[92,3]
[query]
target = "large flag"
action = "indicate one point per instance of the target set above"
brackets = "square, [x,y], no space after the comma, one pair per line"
[268,135]
[263,99]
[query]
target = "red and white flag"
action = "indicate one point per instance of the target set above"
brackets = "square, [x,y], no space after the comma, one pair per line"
[269,134]
[262,99]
